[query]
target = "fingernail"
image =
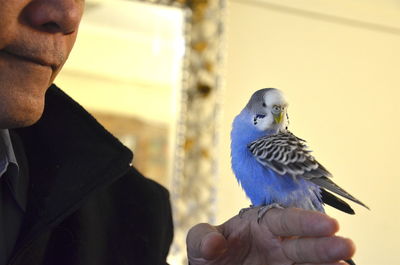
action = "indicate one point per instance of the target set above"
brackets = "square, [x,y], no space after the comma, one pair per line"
[328,227]
[343,248]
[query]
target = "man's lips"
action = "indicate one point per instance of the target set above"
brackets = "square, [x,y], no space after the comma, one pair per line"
[30,57]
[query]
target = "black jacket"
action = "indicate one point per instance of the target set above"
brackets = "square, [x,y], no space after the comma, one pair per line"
[86,204]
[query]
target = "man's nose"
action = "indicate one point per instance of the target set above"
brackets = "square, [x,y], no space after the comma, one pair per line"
[54,16]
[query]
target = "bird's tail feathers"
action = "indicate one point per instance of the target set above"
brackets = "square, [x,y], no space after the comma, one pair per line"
[335,202]
[328,184]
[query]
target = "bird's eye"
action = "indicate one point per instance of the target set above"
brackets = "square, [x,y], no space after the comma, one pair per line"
[276,108]
[264,105]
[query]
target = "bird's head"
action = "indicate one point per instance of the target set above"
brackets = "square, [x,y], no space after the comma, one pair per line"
[268,109]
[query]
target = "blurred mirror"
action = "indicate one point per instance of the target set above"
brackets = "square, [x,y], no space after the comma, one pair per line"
[125,69]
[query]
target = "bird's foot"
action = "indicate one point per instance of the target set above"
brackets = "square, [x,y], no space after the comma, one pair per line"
[243,210]
[264,209]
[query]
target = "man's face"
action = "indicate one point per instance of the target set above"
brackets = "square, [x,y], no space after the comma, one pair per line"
[36,37]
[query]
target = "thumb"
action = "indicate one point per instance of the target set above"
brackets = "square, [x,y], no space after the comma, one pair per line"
[205,241]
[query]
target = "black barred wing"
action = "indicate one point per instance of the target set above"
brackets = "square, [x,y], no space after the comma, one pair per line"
[287,154]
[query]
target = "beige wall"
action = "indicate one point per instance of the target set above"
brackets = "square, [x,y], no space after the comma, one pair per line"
[342,82]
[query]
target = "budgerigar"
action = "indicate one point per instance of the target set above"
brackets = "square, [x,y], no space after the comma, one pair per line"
[273,166]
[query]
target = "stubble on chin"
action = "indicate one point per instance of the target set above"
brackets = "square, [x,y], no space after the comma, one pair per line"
[20,111]
[22,102]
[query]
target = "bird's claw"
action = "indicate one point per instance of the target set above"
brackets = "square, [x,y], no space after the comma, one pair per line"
[243,210]
[264,209]
[350,262]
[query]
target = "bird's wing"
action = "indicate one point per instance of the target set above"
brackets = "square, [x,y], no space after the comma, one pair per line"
[287,154]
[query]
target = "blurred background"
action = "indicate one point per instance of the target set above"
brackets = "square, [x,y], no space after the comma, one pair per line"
[338,63]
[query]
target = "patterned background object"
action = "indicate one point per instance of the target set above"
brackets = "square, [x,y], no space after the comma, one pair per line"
[193,191]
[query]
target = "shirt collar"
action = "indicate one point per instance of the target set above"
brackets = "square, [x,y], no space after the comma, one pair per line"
[7,155]
[5,135]
[9,166]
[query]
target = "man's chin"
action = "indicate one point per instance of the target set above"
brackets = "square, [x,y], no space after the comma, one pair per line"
[24,116]
[19,123]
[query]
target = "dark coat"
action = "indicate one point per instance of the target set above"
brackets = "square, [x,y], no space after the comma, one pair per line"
[86,204]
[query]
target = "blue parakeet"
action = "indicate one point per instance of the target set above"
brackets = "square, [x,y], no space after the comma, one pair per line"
[273,166]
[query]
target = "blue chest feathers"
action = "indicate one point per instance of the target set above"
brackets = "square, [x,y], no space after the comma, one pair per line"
[263,185]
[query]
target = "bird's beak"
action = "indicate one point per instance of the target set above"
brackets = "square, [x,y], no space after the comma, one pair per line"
[278,118]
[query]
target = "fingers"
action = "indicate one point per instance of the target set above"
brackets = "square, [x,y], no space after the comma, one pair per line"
[310,236]
[318,250]
[205,241]
[297,222]
[302,237]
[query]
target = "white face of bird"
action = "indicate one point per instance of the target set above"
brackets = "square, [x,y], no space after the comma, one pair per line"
[269,109]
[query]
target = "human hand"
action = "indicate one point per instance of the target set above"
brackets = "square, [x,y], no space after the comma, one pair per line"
[283,237]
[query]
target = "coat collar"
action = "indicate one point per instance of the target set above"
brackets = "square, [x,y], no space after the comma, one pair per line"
[69,156]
